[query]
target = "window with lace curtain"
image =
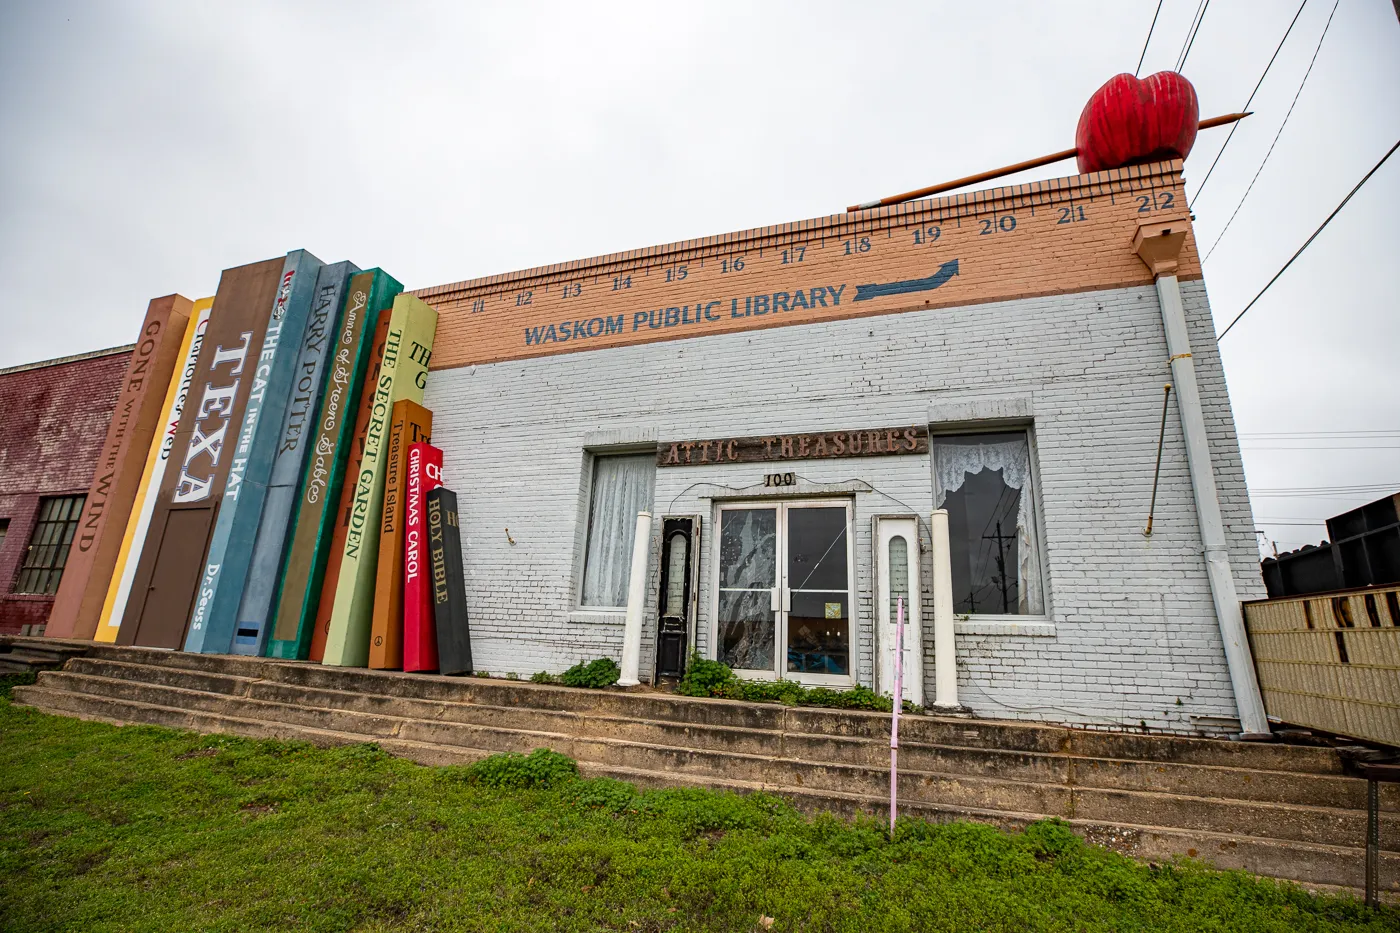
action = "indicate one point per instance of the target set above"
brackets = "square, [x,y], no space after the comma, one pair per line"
[985,483]
[621,487]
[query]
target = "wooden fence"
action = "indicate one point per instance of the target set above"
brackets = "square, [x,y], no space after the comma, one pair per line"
[1331,661]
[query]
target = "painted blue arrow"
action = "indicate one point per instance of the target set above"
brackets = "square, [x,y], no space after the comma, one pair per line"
[944,273]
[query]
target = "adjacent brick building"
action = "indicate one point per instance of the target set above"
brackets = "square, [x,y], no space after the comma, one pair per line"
[53,421]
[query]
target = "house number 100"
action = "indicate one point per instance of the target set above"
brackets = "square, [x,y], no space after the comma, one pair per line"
[780,479]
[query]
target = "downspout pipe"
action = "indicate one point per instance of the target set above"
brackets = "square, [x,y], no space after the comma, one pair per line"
[1158,244]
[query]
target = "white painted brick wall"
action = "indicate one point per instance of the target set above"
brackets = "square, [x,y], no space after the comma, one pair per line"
[1133,626]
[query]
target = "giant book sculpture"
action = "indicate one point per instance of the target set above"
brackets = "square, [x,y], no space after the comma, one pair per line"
[403,374]
[77,607]
[345,496]
[410,424]
[231,545]
[162,445]
[313,527]
[293,441]
[449,587]
[167,575]
[419,631]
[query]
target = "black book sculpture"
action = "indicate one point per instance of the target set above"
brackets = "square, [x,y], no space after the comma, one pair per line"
[449,586]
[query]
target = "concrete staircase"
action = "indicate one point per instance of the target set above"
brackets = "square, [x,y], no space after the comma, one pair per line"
[1278,810]
[23,654]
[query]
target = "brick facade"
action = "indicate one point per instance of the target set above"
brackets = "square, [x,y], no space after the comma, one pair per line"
[55,421]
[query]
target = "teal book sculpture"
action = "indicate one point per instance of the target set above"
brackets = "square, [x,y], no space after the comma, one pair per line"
[309,542]
[298,433]
[231,545]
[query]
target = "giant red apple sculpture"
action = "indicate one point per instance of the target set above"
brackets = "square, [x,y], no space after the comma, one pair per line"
[1130,121]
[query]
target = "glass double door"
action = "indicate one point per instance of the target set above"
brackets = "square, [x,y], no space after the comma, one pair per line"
[784,591]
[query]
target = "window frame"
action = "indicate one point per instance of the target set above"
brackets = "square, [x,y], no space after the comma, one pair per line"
[945,431]
[589,473]
[51,573]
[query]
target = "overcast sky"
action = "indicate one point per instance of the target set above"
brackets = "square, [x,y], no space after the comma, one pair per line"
[145,147]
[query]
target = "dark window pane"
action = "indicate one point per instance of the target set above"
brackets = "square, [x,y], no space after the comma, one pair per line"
[819,633]
[817,549]
[42,568]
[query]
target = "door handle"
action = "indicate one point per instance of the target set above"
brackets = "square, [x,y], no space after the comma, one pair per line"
[775,603]
[787,599]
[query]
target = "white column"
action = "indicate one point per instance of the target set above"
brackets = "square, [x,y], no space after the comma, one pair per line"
[945,662]
[636,597]
[1238,658]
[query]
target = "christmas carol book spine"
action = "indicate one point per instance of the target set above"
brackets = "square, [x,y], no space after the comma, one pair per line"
[449,586]
[419,631]
[119,588]
[403,374]
[410,424]
[225,573]
[309,547]
[77,607]
[298,425]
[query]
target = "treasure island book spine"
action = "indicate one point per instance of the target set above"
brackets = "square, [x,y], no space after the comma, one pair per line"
[172,559]
[346,494]
[157,457]
[419,630]
[410,424]
[77,606]
[449,586]
[310,544]
[412,326]
[294,440]
[231,545]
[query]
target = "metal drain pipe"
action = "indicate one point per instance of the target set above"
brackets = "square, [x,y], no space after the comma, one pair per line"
[1158,244]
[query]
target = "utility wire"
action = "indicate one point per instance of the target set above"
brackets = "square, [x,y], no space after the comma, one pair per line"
[1251,99]
[1143,56]
[1334,213]
[1191,36]
[1260,170]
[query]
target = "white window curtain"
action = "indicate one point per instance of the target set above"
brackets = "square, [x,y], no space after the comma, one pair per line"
[622,487]
[953,463]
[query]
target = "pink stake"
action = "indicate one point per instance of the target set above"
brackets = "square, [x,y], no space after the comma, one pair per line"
[898,702]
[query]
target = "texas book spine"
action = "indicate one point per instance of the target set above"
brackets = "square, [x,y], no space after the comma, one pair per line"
[449,587]
[225,574]
[314,521]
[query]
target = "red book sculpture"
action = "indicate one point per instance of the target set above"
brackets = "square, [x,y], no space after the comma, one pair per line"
[419,631]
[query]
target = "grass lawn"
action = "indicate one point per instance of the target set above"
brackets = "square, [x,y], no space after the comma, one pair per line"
[141,828]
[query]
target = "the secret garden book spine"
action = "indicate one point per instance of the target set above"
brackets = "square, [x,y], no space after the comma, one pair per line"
[345,496]
[294,440]
[158,455]
[410,424]
[412,326]
[313,525]
[449,587]
[419,630]
[231,546]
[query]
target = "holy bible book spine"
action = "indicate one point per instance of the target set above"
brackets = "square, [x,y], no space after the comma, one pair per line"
[412,326]
[77,606]
[289,458]
[310,547]
[172,560]
[419,630]
[409,424]
[325,602]
[162,444]
[231,546]
[449,586]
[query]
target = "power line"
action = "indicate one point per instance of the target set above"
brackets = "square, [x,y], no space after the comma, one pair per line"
[1143,56]
[1260,84]
[1335,212]
[1191,35]
[1260,170]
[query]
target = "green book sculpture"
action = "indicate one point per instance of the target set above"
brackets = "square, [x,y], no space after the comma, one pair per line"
[403,375]
[313,525]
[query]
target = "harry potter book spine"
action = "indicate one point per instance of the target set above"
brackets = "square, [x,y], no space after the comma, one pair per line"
[412,326]
[449,587]
[231,546]
[118,589]
[309,547]
[419,631]
[77,606]
[409,424]
[298,424]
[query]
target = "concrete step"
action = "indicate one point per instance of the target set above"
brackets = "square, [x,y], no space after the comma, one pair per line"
[868,747]
[1320,824]
[1333,865]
